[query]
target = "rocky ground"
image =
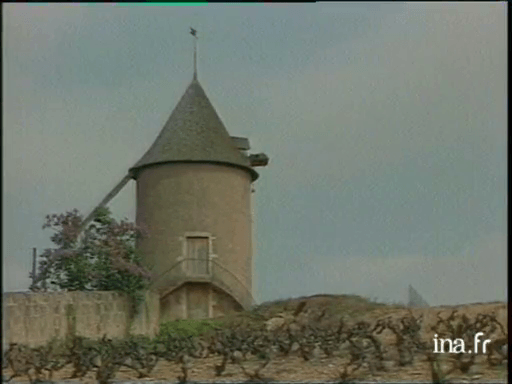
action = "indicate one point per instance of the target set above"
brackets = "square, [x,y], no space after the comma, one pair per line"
[323,368]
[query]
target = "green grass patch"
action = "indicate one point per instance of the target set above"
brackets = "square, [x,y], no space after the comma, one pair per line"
[185,328]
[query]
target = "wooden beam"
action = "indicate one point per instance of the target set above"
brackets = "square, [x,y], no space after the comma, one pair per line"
[34,266]
[258,160]
[242,143]
[106,200]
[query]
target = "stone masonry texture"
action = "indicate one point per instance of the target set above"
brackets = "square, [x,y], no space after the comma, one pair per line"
[35,318]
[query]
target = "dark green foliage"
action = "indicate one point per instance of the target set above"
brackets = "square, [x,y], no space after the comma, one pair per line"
[82,355]
[188,327]
[141,354]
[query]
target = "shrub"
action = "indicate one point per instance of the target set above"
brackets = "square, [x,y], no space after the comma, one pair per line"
[187,328]
[99,257]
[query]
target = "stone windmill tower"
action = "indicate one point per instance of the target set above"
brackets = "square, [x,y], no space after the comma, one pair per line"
[194,189]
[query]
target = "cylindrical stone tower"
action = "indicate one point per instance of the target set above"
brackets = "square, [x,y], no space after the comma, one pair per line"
[194,200]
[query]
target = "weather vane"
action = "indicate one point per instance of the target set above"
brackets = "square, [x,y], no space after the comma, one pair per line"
[193,32]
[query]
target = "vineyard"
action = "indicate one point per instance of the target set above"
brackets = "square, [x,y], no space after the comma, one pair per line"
[301,339]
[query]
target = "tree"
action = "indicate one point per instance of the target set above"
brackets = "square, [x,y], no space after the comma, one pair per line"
[101,257]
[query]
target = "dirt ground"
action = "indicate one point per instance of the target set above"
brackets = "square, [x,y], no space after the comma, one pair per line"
[290,369]
[321,368]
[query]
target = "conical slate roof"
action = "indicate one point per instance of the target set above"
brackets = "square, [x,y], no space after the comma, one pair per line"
[194,133]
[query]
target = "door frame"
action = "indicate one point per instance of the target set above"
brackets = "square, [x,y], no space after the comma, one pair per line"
[184,255]
[184,249]
[186,303]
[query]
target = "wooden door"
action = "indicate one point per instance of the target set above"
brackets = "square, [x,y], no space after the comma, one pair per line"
[197,252]
[198,301]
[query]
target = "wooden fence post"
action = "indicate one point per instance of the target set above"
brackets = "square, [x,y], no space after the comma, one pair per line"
[34,266]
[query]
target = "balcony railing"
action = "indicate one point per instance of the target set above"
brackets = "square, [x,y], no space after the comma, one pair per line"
[200,270]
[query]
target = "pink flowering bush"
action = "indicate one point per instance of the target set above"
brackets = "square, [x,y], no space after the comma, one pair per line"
[100,257]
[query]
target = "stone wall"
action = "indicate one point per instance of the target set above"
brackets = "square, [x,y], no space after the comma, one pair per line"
[222,303]
[35,318]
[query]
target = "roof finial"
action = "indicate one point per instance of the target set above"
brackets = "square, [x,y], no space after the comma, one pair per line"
[193,32]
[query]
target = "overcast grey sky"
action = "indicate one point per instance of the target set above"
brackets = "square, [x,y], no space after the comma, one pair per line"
[386,125]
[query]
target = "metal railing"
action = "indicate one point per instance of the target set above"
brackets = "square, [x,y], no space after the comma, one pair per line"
[201,270]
